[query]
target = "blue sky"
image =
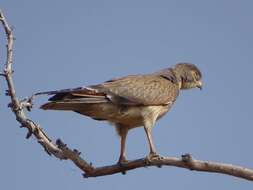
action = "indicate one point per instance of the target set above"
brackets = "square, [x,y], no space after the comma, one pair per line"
[62,44]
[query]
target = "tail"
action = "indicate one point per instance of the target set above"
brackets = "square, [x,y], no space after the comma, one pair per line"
[73,99]
[58,106]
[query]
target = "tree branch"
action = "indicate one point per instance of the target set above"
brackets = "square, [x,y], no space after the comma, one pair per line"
[61,151]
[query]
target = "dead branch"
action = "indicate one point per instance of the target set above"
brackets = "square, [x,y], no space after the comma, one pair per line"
[61,151]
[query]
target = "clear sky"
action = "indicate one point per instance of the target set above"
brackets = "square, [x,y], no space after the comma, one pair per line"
[62,44]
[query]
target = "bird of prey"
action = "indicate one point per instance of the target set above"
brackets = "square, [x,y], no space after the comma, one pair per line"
[130,101]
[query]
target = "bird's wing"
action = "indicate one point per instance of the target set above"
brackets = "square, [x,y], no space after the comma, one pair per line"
[151,89]
[140,90]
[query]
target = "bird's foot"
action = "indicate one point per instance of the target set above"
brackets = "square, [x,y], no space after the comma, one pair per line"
[123,162]
[152,156]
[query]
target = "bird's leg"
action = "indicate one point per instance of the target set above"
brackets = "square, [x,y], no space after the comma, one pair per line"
[152,153]
[122,157]
[123,134]
[152,149]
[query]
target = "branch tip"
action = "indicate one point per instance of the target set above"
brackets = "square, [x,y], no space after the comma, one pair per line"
[26,103]
[29,134]
[7,92]
[60,143]
[186,158]
[78,153]
[6,70]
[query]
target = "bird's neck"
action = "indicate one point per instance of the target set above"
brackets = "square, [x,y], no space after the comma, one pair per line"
[178,77]
[179,80]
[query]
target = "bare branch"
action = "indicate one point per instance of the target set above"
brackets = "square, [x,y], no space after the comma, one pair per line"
[185,162]
[18,106]
[61,151]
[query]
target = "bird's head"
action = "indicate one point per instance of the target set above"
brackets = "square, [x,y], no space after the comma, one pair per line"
[188,76]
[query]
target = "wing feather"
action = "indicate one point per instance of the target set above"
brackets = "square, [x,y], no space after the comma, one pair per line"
[140,90]
[73,99]
[153,89]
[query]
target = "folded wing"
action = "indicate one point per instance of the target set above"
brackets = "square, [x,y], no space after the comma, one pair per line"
[140,90]
[131,90]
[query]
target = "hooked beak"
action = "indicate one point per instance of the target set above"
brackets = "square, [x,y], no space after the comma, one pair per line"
[199,85]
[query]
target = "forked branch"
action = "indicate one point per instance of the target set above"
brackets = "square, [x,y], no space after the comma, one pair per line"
[61,151]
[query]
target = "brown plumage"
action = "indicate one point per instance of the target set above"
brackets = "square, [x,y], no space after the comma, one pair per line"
[129,102]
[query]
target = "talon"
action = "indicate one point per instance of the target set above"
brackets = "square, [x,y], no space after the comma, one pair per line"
[122,162]
[153,156]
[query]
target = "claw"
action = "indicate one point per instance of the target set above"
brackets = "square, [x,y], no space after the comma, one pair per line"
[122,162]
[152,156]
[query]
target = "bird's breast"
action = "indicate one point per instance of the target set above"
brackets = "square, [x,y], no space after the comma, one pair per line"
[134,116]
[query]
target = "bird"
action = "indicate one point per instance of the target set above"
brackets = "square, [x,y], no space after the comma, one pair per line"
[130,101]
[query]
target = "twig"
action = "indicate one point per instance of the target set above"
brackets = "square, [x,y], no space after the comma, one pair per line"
[61,151]
[18,106]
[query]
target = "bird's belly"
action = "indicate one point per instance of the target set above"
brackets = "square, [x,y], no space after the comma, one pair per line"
[135,116]
[130,116]
[126,115]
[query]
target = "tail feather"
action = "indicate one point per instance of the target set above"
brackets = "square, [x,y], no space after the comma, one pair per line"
[73,99]
[57,106]
[62,106]
[92,110]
